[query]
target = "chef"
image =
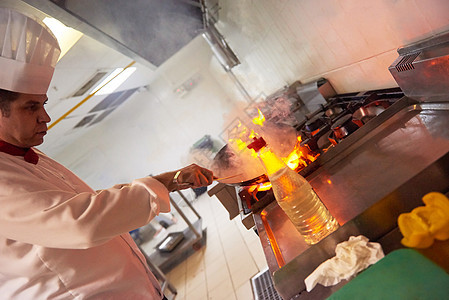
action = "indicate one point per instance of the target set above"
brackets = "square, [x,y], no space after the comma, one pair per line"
[60,239]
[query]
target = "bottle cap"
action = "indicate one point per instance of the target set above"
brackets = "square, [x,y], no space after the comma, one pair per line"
[258,144]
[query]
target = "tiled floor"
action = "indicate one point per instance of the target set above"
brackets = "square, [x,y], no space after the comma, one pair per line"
[223,268]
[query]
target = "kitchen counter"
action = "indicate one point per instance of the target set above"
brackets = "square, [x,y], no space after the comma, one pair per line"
[377,173]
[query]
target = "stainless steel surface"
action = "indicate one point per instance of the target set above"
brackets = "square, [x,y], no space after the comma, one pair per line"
[352,141]
[382,170]
[220,47]
[422,68]
[314,94]
[364,114]
[148,31]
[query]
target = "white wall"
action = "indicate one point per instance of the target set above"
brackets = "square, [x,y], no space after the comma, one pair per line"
[351,43]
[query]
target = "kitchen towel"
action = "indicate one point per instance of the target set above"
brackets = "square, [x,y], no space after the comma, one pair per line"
[352,256]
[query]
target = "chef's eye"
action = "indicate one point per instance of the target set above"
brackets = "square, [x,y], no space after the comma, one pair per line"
[33,107]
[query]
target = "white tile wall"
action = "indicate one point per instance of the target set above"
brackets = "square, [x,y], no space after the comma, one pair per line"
[347,42]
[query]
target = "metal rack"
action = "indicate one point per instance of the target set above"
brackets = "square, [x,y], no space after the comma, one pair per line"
[194,239]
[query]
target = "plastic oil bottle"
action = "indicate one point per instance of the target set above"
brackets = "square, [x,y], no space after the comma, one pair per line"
[296,196]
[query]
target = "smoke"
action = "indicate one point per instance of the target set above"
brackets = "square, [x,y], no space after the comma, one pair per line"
[235,157]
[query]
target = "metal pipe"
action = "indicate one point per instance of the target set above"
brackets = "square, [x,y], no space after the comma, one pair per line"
[189,204]
[240,86]
[178,209]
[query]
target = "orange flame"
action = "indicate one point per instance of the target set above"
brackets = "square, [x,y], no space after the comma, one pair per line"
[300,156]
[297,159]
[265,186]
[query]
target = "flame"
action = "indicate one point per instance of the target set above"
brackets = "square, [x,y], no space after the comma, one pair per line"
[260,119]
[300,156]
[297,159]
[265,186]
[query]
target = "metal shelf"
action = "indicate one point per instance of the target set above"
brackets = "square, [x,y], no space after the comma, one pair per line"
[194,239]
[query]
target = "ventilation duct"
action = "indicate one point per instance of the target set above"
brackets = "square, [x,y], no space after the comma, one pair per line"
[220,48]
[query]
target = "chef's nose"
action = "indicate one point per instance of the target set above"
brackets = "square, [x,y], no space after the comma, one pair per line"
[43,116]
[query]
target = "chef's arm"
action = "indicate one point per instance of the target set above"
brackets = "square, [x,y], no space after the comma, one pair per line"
[192,176]
[61,219]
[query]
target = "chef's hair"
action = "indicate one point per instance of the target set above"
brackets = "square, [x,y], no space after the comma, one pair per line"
[6,98]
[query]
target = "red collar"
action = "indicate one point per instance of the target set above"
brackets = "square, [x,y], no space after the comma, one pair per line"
[28,154]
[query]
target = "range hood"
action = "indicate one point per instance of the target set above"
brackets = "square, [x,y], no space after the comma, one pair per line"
[148,31]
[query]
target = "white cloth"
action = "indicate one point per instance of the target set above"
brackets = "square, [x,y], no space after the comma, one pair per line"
[352,256]
[59,239]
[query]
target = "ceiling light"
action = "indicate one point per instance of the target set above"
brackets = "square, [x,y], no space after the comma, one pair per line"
[113,81]
[66,36]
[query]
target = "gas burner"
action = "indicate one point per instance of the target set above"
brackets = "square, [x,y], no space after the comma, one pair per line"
[342,128]
[254,200]
[328,126]
[342,115]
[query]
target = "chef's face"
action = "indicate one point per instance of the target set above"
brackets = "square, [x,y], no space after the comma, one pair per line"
[26,123]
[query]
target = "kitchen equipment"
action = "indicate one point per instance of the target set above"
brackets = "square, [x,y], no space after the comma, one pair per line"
[170,242]
[315,93]
[366,181]
[314,138]
[227,163]
[343,127]
[333,111]
[317,131]
[421,68]
[250,182]
[402,274]
[227,177]
[178,245]
[372,176]
[366,113]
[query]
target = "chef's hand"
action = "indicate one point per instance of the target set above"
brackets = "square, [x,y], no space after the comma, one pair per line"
[192,176]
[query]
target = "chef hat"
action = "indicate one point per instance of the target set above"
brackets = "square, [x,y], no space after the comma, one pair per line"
[29,52]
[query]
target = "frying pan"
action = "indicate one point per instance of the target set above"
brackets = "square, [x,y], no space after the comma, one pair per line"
[242,169]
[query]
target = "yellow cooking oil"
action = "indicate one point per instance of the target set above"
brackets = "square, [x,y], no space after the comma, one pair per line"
[296,196]
[303,206]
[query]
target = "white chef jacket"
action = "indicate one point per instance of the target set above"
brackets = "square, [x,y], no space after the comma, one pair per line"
[59,239]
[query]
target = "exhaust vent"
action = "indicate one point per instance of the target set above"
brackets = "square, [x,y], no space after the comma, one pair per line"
[263,288]
[429,60]
[88,85]
[406,63]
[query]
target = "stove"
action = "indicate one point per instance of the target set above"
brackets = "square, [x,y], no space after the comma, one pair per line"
[367,174]
[322,130]
[342,115]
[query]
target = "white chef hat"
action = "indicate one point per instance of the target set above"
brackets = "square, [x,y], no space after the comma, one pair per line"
[29,52]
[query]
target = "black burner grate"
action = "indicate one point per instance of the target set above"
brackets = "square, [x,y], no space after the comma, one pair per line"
[263,287]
